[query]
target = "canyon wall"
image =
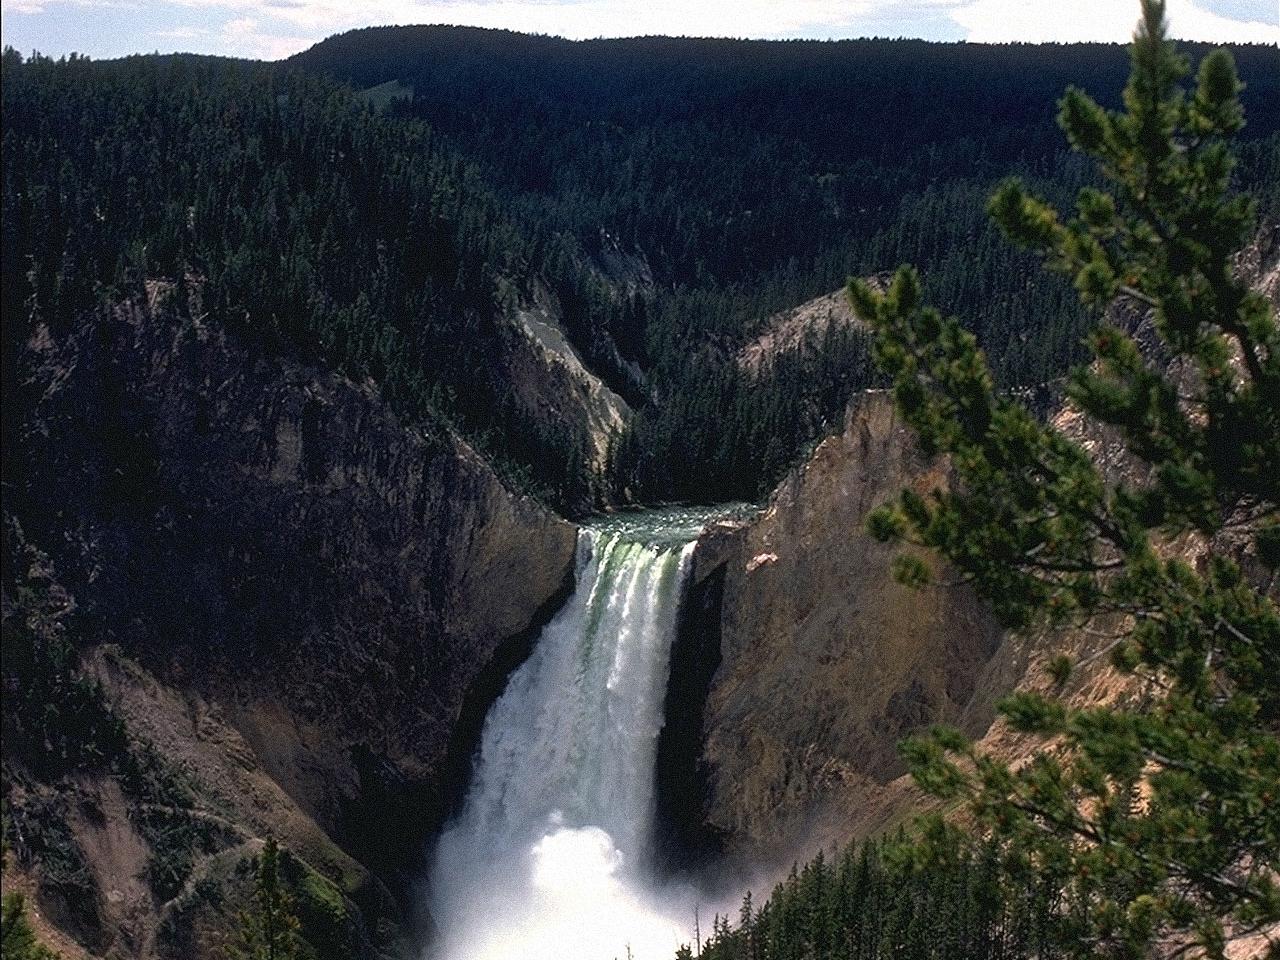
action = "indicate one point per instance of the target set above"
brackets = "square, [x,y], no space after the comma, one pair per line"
[825,661]
[286,594]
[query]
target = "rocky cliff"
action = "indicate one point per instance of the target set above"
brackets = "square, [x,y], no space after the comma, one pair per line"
[825,661]
[815,662]
[289,598]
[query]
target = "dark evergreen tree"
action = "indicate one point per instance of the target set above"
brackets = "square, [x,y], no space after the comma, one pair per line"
[17,938]
[269,928]
[1155,820]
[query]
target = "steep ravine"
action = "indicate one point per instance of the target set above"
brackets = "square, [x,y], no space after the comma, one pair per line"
[550,382]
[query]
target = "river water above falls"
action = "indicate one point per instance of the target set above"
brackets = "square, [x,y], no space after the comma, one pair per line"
[550,855]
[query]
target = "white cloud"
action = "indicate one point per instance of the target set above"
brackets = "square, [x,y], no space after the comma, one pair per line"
[179,33]
[242,27]
[575,18]
[246,36]
[1001,21]
[982,20]
[40,6]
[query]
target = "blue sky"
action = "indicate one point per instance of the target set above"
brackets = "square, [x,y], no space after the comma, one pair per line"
[270,29]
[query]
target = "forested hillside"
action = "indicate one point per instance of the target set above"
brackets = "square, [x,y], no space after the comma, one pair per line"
[666,196]
[310,225]
[733,179]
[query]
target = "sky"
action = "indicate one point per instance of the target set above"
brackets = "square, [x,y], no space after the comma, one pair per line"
[272,29]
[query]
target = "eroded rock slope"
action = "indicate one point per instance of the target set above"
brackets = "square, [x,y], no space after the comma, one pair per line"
[287,595]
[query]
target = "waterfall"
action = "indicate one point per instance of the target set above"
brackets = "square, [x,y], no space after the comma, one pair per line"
[549,856]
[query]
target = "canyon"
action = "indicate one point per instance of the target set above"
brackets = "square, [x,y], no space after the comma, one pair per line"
[344,598]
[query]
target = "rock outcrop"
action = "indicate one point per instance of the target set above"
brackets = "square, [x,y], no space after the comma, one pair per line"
[790,328]
[550,381]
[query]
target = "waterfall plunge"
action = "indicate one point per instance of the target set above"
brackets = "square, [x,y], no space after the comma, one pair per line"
[548,858]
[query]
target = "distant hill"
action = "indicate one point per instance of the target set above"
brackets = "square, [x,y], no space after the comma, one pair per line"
[747,177]
[724,158]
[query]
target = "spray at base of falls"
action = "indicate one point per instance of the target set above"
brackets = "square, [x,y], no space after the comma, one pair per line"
[548,859]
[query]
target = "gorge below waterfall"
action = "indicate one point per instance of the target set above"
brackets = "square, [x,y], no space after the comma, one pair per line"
[551,854]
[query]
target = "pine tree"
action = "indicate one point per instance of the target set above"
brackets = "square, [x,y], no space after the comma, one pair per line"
[269,930]
[17,939]
[1160,820]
